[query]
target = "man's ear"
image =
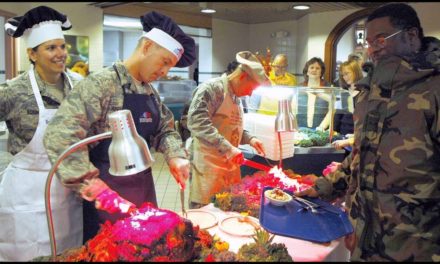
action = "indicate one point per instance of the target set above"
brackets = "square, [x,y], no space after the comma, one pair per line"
[146,46]
[413,33]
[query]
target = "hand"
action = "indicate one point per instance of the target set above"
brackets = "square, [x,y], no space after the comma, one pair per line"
[237,156]
[332,167]
[310,192]
[258,145]
[179,168]
[339,144]
[105,198]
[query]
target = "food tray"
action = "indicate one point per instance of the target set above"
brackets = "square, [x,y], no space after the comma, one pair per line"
[289,220]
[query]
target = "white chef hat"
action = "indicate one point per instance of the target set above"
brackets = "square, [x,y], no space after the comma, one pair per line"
[252,66]
[38,25]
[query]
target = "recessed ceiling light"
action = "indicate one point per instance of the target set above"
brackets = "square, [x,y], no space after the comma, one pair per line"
[208,11]
[301,7]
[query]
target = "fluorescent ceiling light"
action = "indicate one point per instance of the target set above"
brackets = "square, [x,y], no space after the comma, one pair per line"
[301,7]
[208,11]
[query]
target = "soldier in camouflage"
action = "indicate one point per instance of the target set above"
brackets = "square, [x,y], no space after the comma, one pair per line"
[394,183]
[125,85]
[27,104]
[215,119]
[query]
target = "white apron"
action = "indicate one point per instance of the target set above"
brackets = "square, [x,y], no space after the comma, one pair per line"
[213,173]
[24,231]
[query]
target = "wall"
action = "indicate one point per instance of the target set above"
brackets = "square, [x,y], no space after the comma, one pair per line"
[307,35]
[2,49]
[264,36]
[429,18]
[86,21]
[228,38]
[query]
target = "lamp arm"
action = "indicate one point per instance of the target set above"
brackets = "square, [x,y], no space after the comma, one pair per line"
[63,155]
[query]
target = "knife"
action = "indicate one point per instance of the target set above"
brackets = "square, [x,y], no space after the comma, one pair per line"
[256,165]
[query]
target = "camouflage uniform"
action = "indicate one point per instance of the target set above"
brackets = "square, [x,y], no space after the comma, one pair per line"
[18,107]
[84,113]
[395,178]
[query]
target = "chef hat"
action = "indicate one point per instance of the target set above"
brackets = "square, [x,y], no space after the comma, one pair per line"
[166,33]
[252,66]
[38,25]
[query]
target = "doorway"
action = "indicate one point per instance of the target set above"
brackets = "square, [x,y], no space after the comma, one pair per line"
[330,52]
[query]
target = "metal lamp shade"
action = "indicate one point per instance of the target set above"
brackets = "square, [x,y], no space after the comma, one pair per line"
[128,152]
[285,120]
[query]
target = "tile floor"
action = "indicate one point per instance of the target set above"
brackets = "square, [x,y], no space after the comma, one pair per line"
[167,190]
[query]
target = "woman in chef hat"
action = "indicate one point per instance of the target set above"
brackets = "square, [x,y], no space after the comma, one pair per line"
[27,104]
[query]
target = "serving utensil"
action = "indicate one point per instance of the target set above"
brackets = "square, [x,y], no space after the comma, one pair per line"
[182,201]
[256,165]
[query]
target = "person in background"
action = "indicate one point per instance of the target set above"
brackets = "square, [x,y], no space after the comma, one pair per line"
[315,112]
[124,85]
[278,74]
[27,103]
[268,103]
[215,119]
[350,72]
[394,183]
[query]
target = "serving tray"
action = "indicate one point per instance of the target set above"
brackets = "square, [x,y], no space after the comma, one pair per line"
[291,220]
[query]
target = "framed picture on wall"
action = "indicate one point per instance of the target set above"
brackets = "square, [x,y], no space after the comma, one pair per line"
[77,54]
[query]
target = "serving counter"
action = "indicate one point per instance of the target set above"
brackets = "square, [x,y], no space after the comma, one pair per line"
[311,160]
[300,250]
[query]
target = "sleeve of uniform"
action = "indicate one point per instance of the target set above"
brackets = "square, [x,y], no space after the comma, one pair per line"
[167,140]
[335,184]
[7,100]
[206,100]
[71,123]
[246,138]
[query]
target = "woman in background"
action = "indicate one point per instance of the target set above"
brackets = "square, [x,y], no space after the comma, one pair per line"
[313,112]
[349,73]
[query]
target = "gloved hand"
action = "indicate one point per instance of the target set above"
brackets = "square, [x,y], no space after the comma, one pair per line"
[105,198]
[258,145]
[332,167]
[179,168]
[236,156]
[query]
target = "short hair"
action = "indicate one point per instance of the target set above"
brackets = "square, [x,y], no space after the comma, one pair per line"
[354,67]
[354,56]
[310,62]
[402,16]
[232,66]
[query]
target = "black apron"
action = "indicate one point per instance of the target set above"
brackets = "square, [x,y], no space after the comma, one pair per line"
[137,188]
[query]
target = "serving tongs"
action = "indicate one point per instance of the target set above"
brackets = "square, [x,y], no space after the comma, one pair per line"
[182,201]
[313,207]
[255,165]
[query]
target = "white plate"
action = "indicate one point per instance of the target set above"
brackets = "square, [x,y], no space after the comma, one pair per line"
[201,218]
[231,225]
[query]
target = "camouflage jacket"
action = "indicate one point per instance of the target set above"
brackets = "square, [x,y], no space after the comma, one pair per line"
[395,176]
[84,113]
[207,98]
[18,107]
